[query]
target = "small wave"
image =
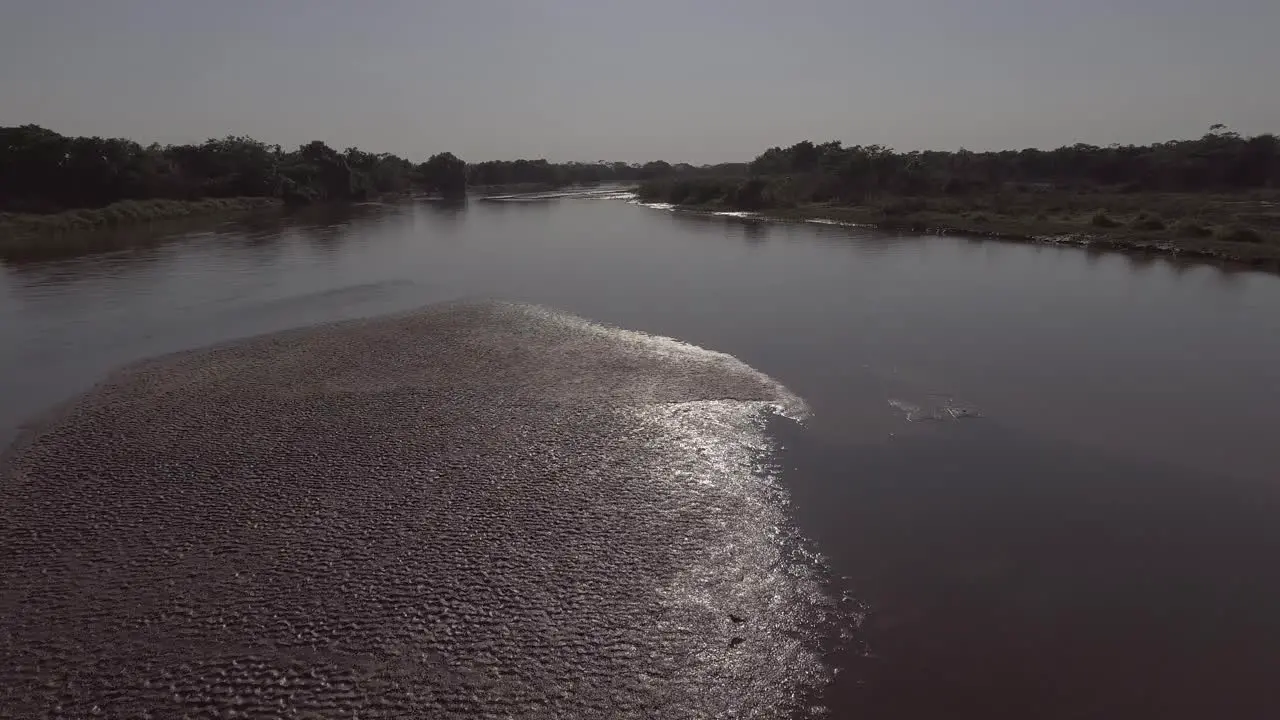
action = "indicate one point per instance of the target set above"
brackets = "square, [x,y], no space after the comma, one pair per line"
[655,206]
[838,223]
[535,197]
[939,407]
[593,194]
[529,197]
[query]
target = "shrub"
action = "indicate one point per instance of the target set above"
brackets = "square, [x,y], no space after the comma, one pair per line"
[698,191]
[826,190]
[750,195]
[1191,228]
[1146,221]
[679,193]
[17,227]
[1240,235]
[705,191]
[905,206]
[1103,220]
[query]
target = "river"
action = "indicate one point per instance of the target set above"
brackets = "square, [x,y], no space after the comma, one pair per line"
[1050,474]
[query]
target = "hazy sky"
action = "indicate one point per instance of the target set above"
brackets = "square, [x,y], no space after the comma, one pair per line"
[683,80]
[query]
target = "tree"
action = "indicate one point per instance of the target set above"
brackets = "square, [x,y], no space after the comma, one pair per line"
[444,173]
[655,169]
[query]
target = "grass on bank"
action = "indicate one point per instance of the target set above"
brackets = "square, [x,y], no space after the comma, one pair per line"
[1242,226]
[23,227]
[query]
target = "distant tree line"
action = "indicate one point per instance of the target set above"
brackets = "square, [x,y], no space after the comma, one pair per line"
[542,172]
[1221,161]
[43,171]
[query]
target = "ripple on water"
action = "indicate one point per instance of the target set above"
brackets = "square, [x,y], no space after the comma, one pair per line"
[469,510]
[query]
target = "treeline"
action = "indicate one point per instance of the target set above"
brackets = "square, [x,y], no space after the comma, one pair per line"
[542,172]
[43,171]
[806,172]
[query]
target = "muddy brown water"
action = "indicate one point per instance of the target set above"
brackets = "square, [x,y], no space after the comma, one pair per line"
[1050,475]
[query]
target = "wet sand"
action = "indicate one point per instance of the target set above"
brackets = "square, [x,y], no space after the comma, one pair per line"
[481,510]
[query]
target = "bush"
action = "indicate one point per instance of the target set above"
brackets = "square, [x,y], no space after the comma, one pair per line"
[905,206]
[1145,221]
[1103,220]
[1240,235]
[1191,228]
[750,195]
[679,193]
[121,213]
[706,191]
[827,189]
[699,191]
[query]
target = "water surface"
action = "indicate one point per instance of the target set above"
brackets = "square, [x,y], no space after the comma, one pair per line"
[1050,473]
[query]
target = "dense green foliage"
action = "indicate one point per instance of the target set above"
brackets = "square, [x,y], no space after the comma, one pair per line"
[1217,196]
[1221,161]
[42,171]
[542,172]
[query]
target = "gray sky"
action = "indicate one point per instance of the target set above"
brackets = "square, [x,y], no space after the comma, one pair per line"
[683,80]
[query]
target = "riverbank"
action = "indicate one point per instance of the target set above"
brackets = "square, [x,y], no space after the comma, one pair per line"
[1238,227]
[19,227]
